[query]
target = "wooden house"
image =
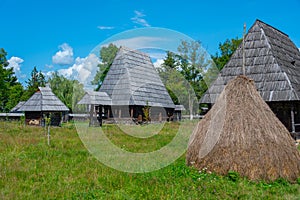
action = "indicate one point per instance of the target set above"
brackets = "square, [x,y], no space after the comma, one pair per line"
[42,104]
[273,61]
[132,84]
[178,112]
[98,106]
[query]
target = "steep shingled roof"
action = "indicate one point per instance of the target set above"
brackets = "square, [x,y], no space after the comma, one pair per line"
[133,80]
[272,61]
[43,100]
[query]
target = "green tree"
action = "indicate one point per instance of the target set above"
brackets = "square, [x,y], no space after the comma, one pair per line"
[176,86]
[9,86]
[193,63]
[171,61]
[107,55]
[226,50]
[167,73]
[68,91]
[175,75]
[37,79]
[15,95]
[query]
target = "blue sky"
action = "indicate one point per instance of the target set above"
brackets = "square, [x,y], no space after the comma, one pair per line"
[59,35]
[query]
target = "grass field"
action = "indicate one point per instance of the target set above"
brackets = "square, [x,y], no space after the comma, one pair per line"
[30,169]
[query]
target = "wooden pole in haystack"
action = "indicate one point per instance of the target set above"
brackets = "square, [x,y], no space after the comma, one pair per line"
[244,32]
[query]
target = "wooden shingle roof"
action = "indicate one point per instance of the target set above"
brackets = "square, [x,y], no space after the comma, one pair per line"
[43,100]
[272,61]
[133,80]
[179,108]
[96,98]
[15,109]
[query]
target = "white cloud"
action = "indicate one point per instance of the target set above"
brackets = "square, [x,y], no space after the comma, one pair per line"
[48,74]
[139,19]
[64,56]
[83,69]
[158,63]
[49,66]
[105,27]
[15,63]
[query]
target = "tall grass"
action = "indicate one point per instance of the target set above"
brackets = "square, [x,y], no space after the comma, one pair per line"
[30,169]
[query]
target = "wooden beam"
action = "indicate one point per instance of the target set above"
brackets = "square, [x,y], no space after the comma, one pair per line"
[131,112]
[159,117]
[91,115]
[293,118]
[243,45]
[120,113]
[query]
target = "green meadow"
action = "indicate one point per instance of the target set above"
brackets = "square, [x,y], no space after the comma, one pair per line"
[30,169]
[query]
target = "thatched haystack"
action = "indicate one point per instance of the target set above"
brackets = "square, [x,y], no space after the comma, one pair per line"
[241,133]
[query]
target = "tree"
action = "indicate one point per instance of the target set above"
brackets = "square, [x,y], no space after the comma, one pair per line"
[169,75]
[171,61]
[15,95]
[10,89]
[193,64]
[227,49]
[68,91]
[176,85]
[107,55]
[37,79]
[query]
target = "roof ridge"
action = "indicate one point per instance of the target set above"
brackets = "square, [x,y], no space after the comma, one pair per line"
[275,59]
[60,103]
[130,81]
[133,50]
[258,20]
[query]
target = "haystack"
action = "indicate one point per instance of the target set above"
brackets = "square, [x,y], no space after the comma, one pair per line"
[241,133]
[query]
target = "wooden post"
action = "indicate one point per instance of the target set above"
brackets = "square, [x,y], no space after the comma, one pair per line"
[91,115]
[159,117]
[48,135]
[99,114]
[120,113]
[293,119]
[244,71]
[131,113]
[47,124]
